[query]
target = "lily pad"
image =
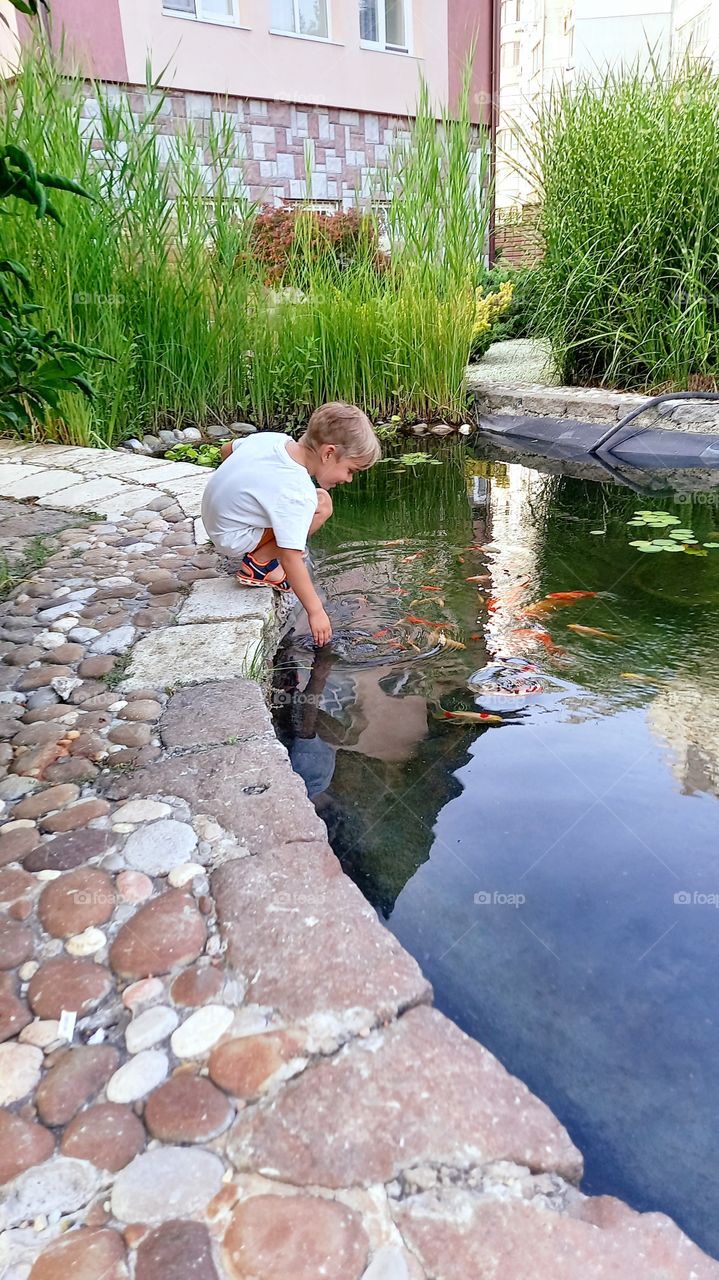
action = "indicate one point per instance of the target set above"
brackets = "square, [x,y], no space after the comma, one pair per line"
[694,551]
[710,544]
[682,533]
[645,546]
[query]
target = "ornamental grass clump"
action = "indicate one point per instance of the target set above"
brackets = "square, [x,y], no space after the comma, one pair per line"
[628,174]
[177,277]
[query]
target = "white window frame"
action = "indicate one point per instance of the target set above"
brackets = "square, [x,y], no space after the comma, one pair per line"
[302,35]
[516,55]
[381,46]
[516,6]
[201,16]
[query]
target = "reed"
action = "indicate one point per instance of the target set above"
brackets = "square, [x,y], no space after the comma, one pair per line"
[155,271]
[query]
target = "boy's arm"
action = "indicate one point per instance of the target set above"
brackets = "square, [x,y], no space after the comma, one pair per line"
[301,583]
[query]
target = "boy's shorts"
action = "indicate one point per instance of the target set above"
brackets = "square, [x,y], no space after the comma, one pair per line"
[253,570]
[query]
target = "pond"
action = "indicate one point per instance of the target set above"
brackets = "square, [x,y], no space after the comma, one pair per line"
[552,867]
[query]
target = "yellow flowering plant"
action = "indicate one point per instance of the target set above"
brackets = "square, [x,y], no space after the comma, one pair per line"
[488,308]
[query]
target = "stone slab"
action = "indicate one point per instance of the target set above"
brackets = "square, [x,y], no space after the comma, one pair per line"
[456,1234]
[249,789]
[40,484]
[191,503]
[195,653]
[211,714]
[82,497]
[163,471]
[223,599]
[418,1093]
[130,498]
[296,902]
[200,533]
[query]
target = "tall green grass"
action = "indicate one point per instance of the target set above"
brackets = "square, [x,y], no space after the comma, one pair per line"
[628,174]
[155,271]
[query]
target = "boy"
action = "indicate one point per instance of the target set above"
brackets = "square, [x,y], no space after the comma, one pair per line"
[261,504]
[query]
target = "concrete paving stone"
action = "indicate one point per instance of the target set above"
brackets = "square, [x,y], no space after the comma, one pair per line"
[248,789]
[223,600]
[275,1237]
[162,472]
[130,498]
[40,484]
[60,1185]
[296,901]
[210,714]
[419,1092]
[11,472]
[83,1254]
[83,496]
[200,532]
[22,1145]
[166,1182]
[456,1234]
[109,1135]
[195,653]
[191,504]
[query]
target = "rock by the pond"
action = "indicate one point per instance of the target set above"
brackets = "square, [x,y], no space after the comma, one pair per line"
[167,1182]
[300,1236]
[245,1064]
[150,1027]
[76,901]
[141,810]
[14,1015]
[201,1031]
[134,886]
[68,983]
[20,1066]
[70,850]
[84,1254]
[73,1080]
[109,1135]
[177,1249]
[15,845]
[187,1109]
[159,847]
[22,1145]
[167,931]
[59,1185]
[16,944]
[196,986]
[36,806]
[138,1077]
[115,641]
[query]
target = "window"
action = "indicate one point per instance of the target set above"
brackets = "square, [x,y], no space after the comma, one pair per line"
[510,54]
[511,11]
[300,17]
[536,58]
[385,24]
[204,10]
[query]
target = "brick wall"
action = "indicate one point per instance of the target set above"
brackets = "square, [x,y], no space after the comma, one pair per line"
[517,237]
[347,147]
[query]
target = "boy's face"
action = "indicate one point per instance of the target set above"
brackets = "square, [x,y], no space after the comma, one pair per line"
[334,467]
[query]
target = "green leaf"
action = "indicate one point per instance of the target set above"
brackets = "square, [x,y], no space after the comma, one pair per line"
[58,183]
[694,551]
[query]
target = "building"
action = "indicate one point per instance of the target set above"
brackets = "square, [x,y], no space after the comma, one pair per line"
[337,78]
[548,42]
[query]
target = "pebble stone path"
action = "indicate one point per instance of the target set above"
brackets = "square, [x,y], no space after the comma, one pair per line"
[214,1061]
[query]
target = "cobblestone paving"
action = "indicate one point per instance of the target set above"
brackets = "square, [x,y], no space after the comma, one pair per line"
[214,1061]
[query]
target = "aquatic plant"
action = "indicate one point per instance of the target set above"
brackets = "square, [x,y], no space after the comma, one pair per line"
[203,455]
[679,539]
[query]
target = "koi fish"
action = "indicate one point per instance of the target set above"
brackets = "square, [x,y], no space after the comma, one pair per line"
[438,637]
[377,635]
[542,607]
[479,577]
[592,631]
[635,676]
[460,559]
[430,588]
[468,717]
[476,635]
[419,622]
[414,556]
[539,637]
[394,542]
[570,595]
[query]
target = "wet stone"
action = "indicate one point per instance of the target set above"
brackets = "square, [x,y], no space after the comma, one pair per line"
[139,1076]
[109,1135]
[14,1015]
[70,850]
[83,1255]
[36,806]
[157,848]
[67,983]
[244,1065]
[15,845]
[187,1109]
[22,1145]
[196,986]
[16,943]
[275,1237]
[20,1066]
[165,1182]
[76,901]
[150,1027]
[166,932]
[74,1079]
[177,1249]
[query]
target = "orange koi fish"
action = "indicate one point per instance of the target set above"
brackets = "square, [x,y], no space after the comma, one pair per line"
[430,588]
[480,577]
[570,595]
[468,717]
[539,637]
[592,631]
[419,622]
[377,635]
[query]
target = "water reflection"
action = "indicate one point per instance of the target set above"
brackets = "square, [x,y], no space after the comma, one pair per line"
[594,801]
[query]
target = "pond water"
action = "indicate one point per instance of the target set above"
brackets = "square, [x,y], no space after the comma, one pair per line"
[555,874]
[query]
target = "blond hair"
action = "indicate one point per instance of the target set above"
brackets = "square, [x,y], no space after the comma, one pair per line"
[347,428]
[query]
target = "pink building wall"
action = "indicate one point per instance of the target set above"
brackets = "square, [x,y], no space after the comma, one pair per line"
[94,30]
[471,22]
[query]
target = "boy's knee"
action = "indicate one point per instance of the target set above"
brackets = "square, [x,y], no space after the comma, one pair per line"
[324,504]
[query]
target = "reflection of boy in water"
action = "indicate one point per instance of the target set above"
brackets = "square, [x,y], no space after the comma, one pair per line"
[311,756]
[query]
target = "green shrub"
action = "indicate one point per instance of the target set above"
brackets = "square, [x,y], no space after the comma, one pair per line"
[628,289]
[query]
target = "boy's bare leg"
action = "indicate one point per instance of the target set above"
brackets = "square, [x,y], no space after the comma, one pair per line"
[270,549]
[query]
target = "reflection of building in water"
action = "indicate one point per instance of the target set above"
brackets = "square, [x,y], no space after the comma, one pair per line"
[514,550]
[686,715]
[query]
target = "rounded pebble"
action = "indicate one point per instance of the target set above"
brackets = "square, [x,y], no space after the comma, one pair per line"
[201,1031]
[138,1077]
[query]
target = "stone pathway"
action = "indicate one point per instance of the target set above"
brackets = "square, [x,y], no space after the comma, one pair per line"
[519,361]
[214,1061]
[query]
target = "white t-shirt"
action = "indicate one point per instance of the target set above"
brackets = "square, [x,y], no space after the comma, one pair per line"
[259,487]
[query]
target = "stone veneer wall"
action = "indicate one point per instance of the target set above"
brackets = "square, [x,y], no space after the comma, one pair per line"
[347,147]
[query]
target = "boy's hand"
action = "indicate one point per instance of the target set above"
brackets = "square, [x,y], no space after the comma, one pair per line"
[320,626]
